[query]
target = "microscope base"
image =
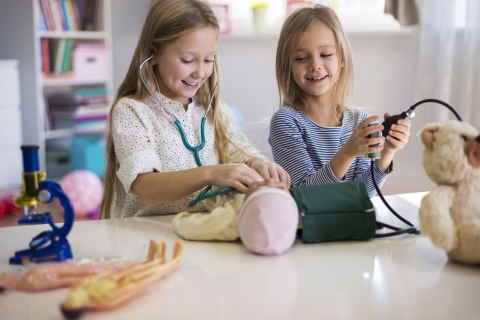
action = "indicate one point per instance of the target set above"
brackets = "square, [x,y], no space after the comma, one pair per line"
[58,250]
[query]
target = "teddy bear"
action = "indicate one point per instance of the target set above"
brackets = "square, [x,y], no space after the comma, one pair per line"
[450,214]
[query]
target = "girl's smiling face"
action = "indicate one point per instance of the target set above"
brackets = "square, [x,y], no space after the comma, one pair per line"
[316,66]
[184,65]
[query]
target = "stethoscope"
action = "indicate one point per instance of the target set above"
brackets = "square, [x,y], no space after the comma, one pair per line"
[194,149]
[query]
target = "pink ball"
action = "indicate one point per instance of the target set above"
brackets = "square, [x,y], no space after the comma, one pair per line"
[85,191]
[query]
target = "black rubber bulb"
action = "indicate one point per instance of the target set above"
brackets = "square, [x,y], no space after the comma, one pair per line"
[387,124]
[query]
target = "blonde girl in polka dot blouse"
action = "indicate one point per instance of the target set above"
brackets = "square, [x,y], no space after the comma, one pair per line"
[149,170]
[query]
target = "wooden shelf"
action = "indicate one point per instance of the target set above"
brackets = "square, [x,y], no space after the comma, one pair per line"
[69,81]
[68,133]
[86,35]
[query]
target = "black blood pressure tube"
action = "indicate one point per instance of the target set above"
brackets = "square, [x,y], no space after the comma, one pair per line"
[374,155]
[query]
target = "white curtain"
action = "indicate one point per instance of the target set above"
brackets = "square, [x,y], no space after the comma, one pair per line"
[449,59]
[469,100]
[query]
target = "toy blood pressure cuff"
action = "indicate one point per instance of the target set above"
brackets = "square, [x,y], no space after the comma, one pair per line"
[337,211]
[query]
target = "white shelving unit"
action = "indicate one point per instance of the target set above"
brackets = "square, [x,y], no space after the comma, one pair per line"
[10,125]
[21,40]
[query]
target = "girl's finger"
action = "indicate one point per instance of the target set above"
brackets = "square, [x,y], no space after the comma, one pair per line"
[273,173]
[254,174]
[373,149]
[284,177]
[406,123]
[398,135]
[370,130]
[239,186]
[372,141]
[368,120]
[274,184]
[257,184]
[399,128]
[264,173]
[395,142]
[248,180]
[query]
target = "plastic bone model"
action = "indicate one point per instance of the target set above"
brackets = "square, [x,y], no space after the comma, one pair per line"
[450,213]
[110,290]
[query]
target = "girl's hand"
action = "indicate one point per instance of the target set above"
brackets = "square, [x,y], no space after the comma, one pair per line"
[269,169]
[236,175]
[266,183]
[399,134]
[358,144]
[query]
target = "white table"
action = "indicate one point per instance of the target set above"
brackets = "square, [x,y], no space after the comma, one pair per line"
[399,278]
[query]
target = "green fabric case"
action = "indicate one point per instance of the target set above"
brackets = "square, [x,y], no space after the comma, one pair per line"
[337,211]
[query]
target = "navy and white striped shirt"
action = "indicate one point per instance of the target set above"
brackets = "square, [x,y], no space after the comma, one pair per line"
[304,149]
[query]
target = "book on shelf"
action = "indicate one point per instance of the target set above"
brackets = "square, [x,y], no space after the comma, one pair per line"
[69,15]
[41,20]
[91,96]
[82,109]
[47,14]
[45,56]
[82,126]
[48,115]
[62,46]
[57,14]
[91,16]
[57,56]
[82,61]
[81,5]
[67,56]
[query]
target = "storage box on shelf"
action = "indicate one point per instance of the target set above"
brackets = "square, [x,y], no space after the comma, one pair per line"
[88,153]
[89,62]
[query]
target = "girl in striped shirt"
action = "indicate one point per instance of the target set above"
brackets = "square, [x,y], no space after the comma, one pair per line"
[316,136]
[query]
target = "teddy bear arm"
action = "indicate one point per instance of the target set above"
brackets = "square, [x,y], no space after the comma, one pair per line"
[435,219]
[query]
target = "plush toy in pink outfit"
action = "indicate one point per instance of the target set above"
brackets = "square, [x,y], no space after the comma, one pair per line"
[265,219]
[267,222]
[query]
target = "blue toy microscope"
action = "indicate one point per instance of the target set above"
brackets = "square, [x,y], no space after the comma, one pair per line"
[48,245]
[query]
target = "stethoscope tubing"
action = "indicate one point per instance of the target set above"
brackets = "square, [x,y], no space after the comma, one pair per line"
[194,150]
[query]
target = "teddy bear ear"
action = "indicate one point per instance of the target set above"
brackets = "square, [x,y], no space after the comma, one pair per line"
[473,152]
[426,135]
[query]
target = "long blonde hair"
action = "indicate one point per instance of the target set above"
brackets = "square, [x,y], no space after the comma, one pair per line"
[166,22]
[296,24]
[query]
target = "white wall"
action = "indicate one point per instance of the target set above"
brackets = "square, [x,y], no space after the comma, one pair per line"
[127,22]
[385,70]
[249,84]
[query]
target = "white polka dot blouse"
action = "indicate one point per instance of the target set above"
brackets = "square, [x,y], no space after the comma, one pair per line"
[147,140]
